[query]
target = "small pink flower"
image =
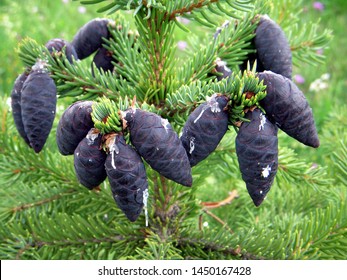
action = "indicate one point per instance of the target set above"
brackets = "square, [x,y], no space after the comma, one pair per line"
[314,165]
[82,10]
[182,45]
[319,6]
[320,51]
[299,79]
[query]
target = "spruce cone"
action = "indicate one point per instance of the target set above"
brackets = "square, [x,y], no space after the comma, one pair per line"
[127,176]
[57,45]
[157,142]
[257,152]
[89,160]
[73,126]
[16,96]
[273,49]
[38,103]
[89,38]
[222,68]
[287,107]
[205,128]
[103,60]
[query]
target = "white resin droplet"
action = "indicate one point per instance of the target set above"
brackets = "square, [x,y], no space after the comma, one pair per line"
[114,149]
[91,136]
[227,69]
[226,23]
[191,145]
[165,123]
[203,110]
[262,121]
[112,161]
[223,64]
[40,66]
[266,171]
[145,200]
[215,107]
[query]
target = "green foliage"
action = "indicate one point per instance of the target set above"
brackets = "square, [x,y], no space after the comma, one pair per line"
[106,109]
[340,158]
[47,214]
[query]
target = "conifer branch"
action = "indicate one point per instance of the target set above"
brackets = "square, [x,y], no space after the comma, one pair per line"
[308,43]
[219,220]
[198,65]
[190,8]
[42,201]
[32,166]
[37,223]
[340,159]
[215,247]
[168,201]
[156,44]
[245,91]
[291,169]
[234,39]
[65,243]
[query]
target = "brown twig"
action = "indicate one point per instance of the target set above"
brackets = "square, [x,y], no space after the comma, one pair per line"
[41,202]
[211,205]
[190,8]
[211,246]
[219,220]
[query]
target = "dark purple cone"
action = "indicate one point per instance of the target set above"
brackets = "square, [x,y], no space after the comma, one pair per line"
[58,45]
[103,60]
[89,38]
[287,107]
[38,101]
[89,160]
[127,176]
[156,141]
[73,126]
[16,95]
[273,49]
[257,153]
[205,128]
[222,68]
